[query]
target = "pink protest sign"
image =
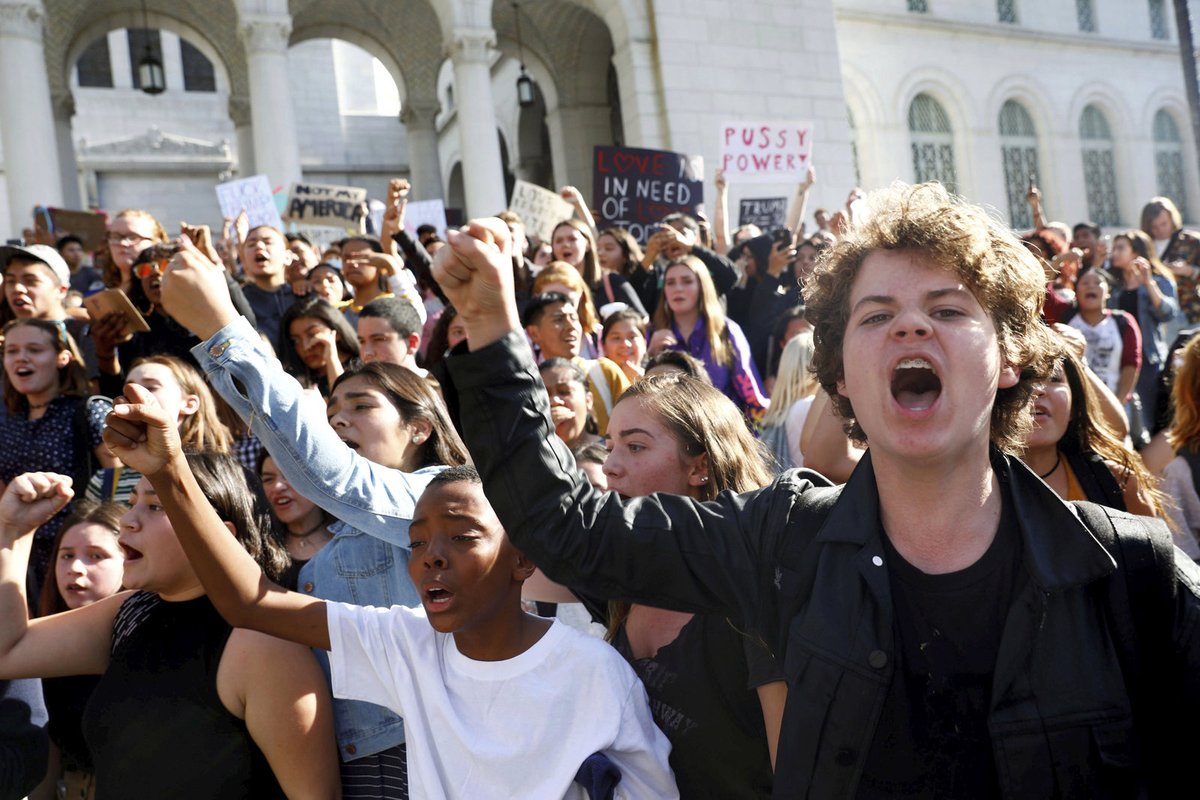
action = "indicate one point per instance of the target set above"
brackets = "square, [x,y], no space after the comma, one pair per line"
[766,152]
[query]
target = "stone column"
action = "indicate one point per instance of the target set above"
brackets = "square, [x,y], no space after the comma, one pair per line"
[574,130]
[172,58]
[26,117]
[64,109]
[424,165]
[276,147]
[118,57]
[239,113]
[483,177]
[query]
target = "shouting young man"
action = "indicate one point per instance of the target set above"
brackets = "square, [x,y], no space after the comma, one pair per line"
[947,626]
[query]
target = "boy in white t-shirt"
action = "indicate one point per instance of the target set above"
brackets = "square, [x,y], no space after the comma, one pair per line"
[497,703]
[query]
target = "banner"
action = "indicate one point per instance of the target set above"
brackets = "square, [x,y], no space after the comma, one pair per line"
[768,213]
[540,209]
[635,188]
[766,152]
[322,204]
[252,194]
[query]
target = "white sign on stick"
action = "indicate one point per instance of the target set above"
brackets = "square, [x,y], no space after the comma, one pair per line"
[540,209]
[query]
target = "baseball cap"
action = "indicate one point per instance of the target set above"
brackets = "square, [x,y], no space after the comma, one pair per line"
[37,252]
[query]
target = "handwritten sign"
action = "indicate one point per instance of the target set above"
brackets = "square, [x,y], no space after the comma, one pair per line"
[635,188]
[540,209]
[322,204]
[425,212]
[50,224]
[768,213]
[766,152]
[252,194]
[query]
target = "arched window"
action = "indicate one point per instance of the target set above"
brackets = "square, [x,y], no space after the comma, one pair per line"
[1168,160]
[1018,151]
[854,147]
[1085,16]
[1099,170]
[932,142]
[1158,19]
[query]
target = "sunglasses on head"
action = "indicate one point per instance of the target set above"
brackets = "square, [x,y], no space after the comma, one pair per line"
[148,268]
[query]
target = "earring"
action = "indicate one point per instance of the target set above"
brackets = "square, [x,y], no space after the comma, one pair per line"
[704,479]
[418,439]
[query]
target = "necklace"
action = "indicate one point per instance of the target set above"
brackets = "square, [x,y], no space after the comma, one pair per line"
[303,538]
[1057,461]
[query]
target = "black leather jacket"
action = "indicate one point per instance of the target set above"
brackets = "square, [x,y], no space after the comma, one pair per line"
[1061,718]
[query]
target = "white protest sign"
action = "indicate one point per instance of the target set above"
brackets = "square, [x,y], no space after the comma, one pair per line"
[322,204]
[540,209]
[425,212]
[252,194]
[766,152]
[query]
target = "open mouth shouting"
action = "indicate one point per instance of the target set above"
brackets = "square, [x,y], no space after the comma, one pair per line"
[436,596]
[915,384]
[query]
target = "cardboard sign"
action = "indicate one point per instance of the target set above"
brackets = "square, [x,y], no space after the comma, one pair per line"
[768,213]
[322,204]
[540,209]
[51,224]
[252,194]
[766,152]
[635,188]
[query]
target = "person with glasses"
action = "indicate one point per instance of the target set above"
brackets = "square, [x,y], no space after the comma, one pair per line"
[117,349]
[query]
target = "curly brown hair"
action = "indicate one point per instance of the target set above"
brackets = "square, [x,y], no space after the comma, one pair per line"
[989,259]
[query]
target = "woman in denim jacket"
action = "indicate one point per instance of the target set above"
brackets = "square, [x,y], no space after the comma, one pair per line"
[386,436]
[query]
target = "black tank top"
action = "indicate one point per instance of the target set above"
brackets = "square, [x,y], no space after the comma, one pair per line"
[155,724]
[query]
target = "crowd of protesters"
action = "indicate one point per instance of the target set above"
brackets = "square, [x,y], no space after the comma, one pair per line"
[522,518]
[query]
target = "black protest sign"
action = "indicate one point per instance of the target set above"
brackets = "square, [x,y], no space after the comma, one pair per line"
[635,188]
[768,213]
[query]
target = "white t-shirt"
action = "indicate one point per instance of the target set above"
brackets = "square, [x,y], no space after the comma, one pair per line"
[500,729]
[1104,348]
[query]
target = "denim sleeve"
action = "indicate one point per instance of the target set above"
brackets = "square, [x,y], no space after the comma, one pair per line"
[1169,307]
[317,464]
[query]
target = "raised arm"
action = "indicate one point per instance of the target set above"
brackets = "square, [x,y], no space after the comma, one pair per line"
[575,198]
[721,214]
[315,461]
[142,436]
[72,643]
[665,551]
[799,206]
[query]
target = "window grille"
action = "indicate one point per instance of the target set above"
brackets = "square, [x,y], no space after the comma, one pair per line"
[1099,167]
[1168,160]
[198,73]
[1006,10]
[1158,19]
[918,6]
[854,147]
[932,142]
[1019,153]
[95,65]
[1085,15]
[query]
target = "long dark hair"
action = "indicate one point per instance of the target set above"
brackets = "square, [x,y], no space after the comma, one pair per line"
[323,311]
[414,399]
[240,500]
